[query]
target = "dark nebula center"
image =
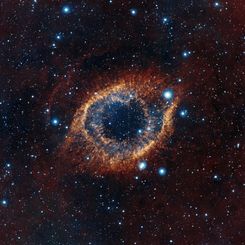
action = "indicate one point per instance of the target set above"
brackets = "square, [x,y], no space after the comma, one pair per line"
[123,121]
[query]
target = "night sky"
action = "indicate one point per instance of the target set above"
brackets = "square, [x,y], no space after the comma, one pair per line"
[122,122]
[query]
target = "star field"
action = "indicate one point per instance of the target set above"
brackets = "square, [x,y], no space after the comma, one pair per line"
[122,122]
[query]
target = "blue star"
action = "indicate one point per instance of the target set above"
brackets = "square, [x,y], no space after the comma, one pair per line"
[53,45]
[162,171]
[66,9]
[186,54]
[133,12]
[54,121]
[140,131]
[58,36]
[168,94]
[165,20]
[183,113]
[4,202]
[216,4]
[142,165]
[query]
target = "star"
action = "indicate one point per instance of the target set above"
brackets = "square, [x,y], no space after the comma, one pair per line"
[216,4]
[186,54]
[53,45]
[168,94]
[142,165]
[66,9]
[183,113]
[133,12]
[162,171]
[165,20]
[55,121]
[4,202]
[140,131]
[58,36]
[216,177]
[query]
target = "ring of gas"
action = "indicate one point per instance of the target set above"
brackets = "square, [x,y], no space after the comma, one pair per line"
[119,124]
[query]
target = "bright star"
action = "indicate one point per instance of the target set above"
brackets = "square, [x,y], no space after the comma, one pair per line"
[216,177]
[4,202]
[66,9]
[162,171]
[165,20]
[133,12]
[140,131]
[216,4]
[168,94]
[183,113]
[142,165]
[58,36]
[54,121]
[186,54]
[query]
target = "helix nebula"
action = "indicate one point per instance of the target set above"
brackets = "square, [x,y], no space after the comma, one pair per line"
[122,122]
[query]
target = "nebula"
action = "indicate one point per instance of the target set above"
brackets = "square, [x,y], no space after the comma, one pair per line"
[119,124]
[122,122]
